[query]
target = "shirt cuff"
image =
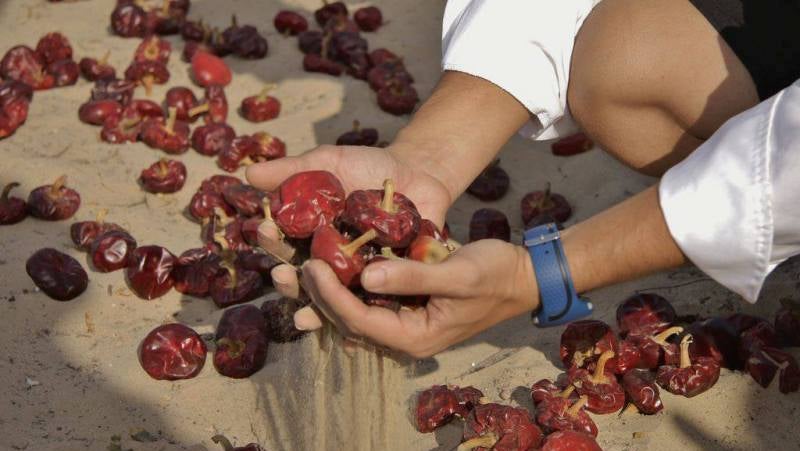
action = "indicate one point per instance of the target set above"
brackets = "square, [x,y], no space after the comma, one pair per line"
[525,48]
[718,202]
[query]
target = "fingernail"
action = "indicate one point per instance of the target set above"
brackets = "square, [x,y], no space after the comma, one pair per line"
[373,278]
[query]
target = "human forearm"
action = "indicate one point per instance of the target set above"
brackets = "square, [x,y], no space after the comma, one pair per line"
[459,130]
[627,241]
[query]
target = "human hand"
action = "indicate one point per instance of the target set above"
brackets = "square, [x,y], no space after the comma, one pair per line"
[357,168]
[480,285]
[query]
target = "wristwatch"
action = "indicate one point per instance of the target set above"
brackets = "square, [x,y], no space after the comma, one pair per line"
[559,303]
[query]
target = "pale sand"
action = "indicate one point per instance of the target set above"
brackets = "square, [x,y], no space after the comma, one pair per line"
[311,395]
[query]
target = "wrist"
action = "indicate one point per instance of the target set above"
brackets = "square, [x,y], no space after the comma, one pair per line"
[429,157]
[526,292]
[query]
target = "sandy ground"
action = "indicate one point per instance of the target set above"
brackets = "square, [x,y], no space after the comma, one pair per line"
[71,378]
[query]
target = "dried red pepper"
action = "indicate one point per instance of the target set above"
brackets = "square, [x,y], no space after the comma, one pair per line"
[570,441]
[164,176]
[54,47]
[501,428]
[152,48]
[241,340]
[182,99]
[112,250]
[194,271]
[22,64]
[54,202]
[97,69]
[214,107]
[640,386]
[358,136]
[398,99]
[12,209]
[261,107]
[210,139]
[246,199]
[290,23]
[491,184]
[147,73]
[645,314]
[306,201]
[393,216]
[267,147]
[582,342]
[60,276]
[64,72]
[560,413]
[84,232]
[209,70]
[540,203]
[172,352]
[345,257]
[691,377]
[170,135]
[572,145]
[605,394]
[489,223]
[96,112]
[235,285]
[150,272]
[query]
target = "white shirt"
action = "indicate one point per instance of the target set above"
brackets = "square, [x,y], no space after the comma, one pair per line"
[730,206]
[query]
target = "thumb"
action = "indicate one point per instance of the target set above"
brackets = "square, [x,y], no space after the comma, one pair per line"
[450,278]
[268,175]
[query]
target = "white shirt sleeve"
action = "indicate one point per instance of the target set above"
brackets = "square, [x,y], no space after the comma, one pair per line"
[524,47]
[732,205]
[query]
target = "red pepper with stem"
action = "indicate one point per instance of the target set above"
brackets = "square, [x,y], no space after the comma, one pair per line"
[398,99]
[12,209]
[97,69]
[393,216]
[117,90]
[123,128]
[290,23]
[238,153]
[205,200]
[172,352]
[147,73]
[214,107]
[268,147]
[246,199]
[538,203]
[276,247]
[261,107]
[54,202]
[655,350]
[605,394]
[54,47]
[170,135]
[642,391]
[582,342]
[560,413]
[380,56]
[241,340]
[164,176]
[645,314]
[358,136]
[224,232]
[235,285]
[491,184]
[545,389]
[434,408]
[690,378]
[150,272]
[84,232]
[64,72]
[112,250]
[153,48]
[129,20]
[345,258]
[427,249]
[307,201]
[500,428]
[328,11]
[716,338]
[194,271]
[22,64]
[390,71]
[182,99]
[489,223]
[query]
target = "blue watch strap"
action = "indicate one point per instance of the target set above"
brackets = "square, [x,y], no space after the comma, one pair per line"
[560,303]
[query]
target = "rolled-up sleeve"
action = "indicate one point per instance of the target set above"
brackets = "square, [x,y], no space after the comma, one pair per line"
[524,47]
[732,206]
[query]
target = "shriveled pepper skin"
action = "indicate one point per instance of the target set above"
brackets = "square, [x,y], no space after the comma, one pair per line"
[306,201]
[171,352]
[241,339]
[60,276]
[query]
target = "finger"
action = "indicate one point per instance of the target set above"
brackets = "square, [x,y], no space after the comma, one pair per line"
[270,239]
[307,319]
[268,175]
[284,278]
[378,324]
[451,278]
